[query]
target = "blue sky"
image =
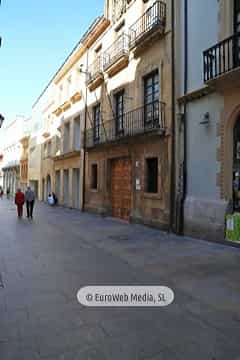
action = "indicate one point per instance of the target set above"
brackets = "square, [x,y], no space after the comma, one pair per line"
[37,37]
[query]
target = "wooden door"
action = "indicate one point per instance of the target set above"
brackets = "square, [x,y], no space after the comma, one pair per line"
[121,188]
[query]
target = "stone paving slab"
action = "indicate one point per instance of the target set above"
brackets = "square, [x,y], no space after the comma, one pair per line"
[43,264]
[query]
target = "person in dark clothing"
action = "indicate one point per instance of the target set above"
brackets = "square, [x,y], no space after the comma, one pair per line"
[8,193]
[19,201]
[30,200]
[55,198]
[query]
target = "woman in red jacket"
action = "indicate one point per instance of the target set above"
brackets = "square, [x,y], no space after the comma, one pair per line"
[19,201]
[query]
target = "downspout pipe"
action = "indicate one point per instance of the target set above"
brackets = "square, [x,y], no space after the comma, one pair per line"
[185,115]
[173,174]
[84,143]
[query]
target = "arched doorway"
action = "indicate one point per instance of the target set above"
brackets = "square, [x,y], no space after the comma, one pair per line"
[43,189]
[236,165]
[48,185]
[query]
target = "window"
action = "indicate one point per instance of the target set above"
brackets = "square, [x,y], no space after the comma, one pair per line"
[45,151]
[66,143]
[119,111]
[151,100]
[236,20]
[152,175]
[58,145]
[94,177]
[236,25]
[76,125]
[49,148]
[98,49]
[120,27]
[96,123]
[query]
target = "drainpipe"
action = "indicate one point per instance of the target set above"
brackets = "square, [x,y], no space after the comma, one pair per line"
[172,176]
[185,115]
[84,143]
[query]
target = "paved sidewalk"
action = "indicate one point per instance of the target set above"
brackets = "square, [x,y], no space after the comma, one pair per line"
[43,264]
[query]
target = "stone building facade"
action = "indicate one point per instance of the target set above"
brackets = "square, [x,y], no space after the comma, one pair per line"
[128,136]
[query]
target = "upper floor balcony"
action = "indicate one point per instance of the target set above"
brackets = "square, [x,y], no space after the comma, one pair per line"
[95,73]
[152,23]
[222,62]
[117,55]
[148,119]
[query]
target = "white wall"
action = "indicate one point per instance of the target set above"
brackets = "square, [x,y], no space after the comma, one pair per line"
[202,34]
[11,136]
[202,144]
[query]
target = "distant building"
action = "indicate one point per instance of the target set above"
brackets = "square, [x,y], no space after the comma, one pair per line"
[12,133]
[24,163]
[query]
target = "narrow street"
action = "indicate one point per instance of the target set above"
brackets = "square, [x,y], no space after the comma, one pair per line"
[45,262]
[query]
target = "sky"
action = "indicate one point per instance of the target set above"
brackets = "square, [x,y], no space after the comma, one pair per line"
[37,36]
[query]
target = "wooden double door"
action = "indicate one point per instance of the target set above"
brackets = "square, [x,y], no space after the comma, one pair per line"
[121,188]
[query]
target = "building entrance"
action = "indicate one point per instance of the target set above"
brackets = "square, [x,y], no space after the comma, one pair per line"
[236,166]
[121,188]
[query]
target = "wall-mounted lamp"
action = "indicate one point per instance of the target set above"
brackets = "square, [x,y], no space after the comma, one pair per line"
[206,119]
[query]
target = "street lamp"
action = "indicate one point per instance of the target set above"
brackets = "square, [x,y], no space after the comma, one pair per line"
[1,120]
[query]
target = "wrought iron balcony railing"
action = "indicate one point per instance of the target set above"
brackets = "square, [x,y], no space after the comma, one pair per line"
[136,122]
[118,49]
[222,57]
[154,17]
[95,69]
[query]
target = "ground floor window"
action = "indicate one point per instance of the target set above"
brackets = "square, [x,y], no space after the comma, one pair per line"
[151,185]
[94,177]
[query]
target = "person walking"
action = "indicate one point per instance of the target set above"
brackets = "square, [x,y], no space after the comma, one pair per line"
[1,193]
[19,201]
[30,199]
[8,193]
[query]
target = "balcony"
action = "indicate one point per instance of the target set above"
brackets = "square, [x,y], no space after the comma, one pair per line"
[95,74]
[116,56]
[149,119]
[58,111]
[77,96]
[65,106]
[222,62]
[149,26]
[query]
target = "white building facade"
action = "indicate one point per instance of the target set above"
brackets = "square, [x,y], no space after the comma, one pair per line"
[12,149]
[207,61]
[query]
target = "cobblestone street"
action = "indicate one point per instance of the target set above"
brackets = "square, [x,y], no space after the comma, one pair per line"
[45,262]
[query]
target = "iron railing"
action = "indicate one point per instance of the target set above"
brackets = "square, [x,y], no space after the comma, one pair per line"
[95,69]
[118,49]
[222,57]
[136,122]
[154,17]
